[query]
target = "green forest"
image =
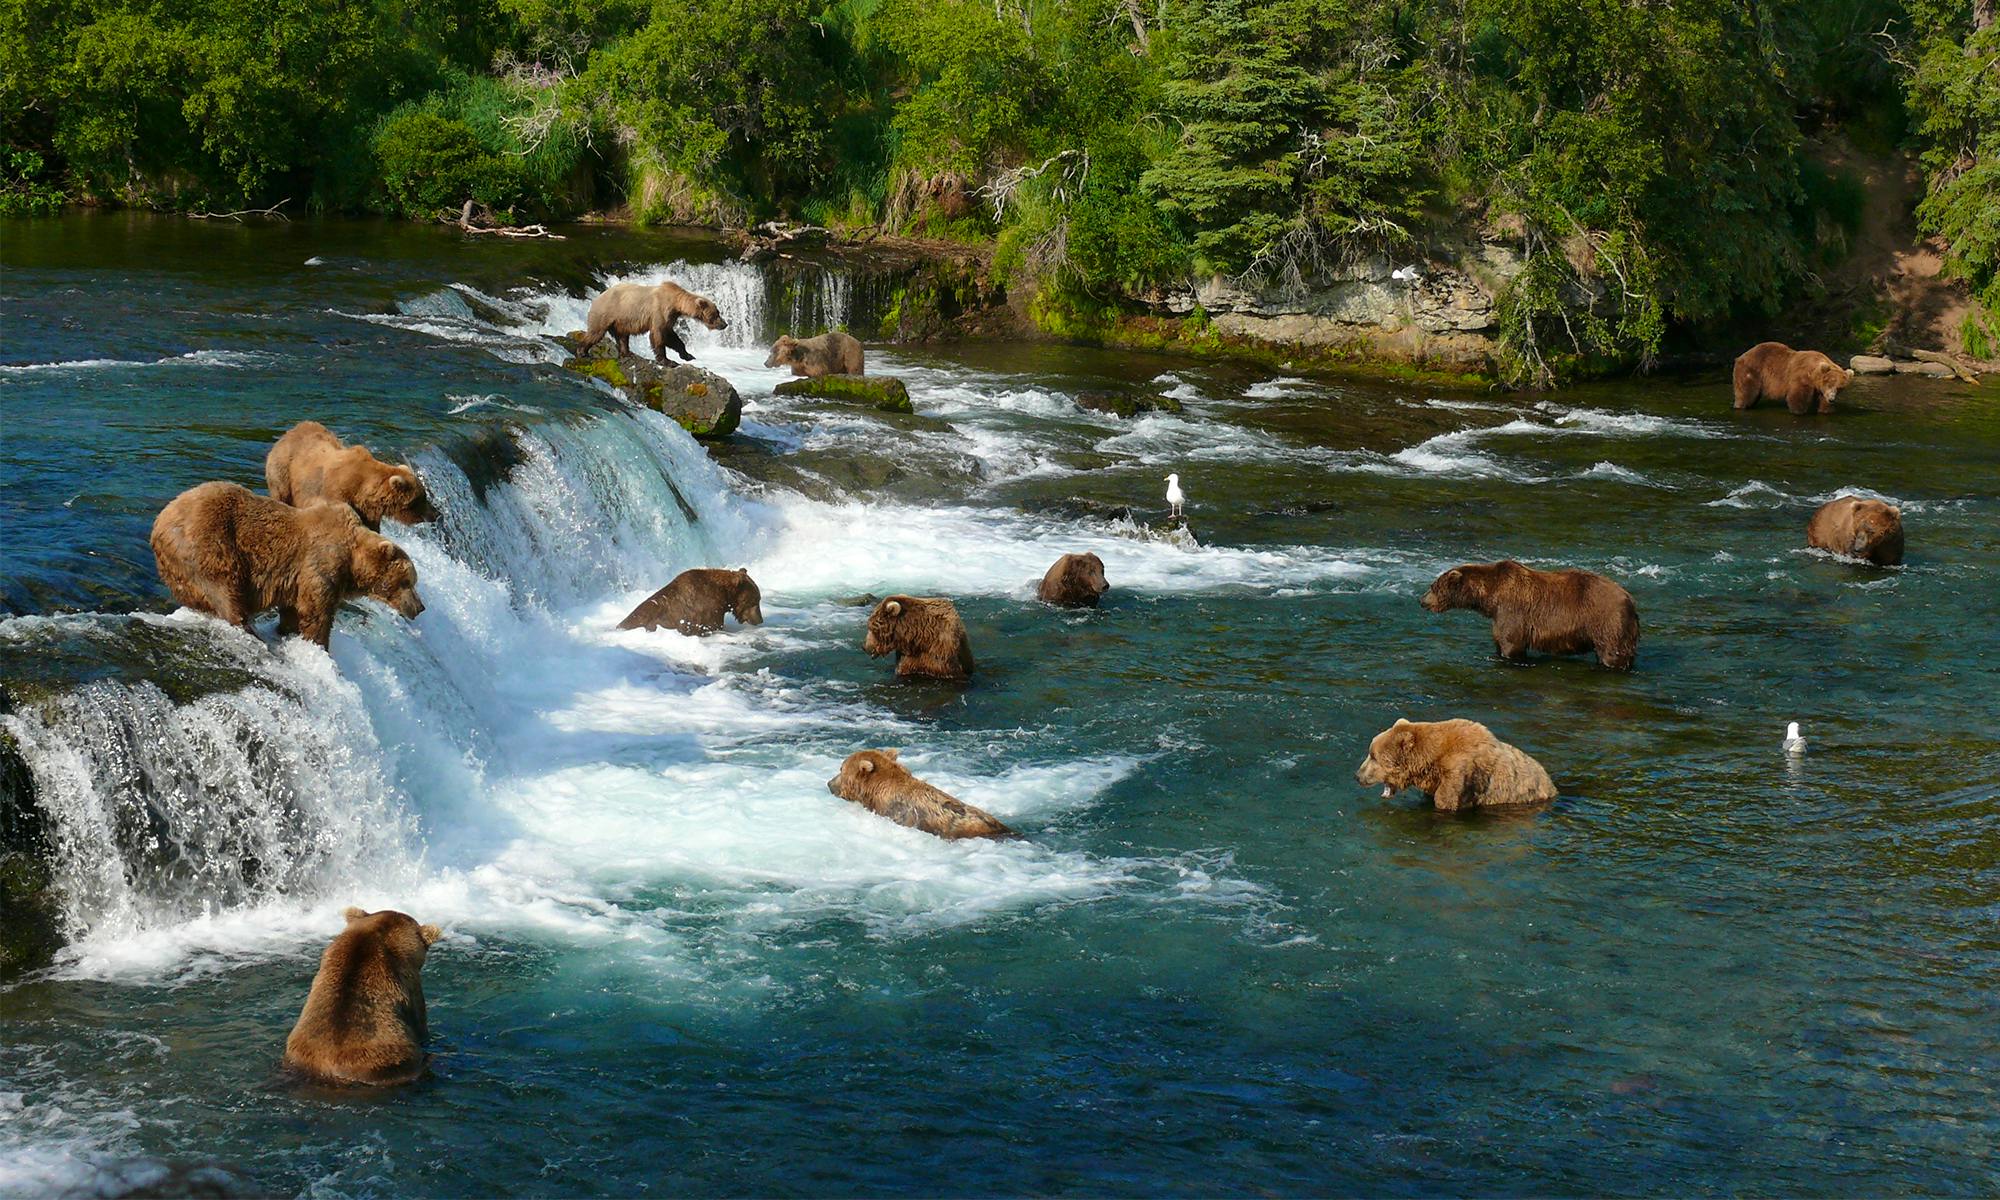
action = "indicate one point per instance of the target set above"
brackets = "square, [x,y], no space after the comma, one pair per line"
[1663,153]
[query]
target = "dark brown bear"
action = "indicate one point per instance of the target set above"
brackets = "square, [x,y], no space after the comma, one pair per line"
[309,465]
[1076,581]
[1858,528]
[626,309]
[226,551]
[834,353]
[696,600]
[1457,764]
[925,635]
[364,1020]
[1555,612]
[1803,379]
[877,782]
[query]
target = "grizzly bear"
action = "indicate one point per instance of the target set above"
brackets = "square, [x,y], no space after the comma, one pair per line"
[925,635]
[696,600]
[1775,371]
[1076,581]
[309,464]
[226,551]
[877,782]
[834,353]
[364,1019]
[1857,527]
[1556,612]
[624,309]
[1458,764]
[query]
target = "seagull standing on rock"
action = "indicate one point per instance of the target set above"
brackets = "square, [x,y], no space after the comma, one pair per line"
[1794,744]
[1175,497]
[1408,274]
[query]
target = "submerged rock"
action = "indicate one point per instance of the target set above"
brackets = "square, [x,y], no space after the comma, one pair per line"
[883,393]
[1125,404]
[704,403]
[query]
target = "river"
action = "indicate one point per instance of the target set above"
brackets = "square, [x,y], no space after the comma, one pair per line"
[673,963]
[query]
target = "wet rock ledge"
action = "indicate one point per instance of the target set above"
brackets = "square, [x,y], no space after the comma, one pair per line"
[883,393]
[704,403]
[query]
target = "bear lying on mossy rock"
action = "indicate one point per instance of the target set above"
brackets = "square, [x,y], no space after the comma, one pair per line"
[364,1020]
[877,782]
[1804,379]
[702,402]
[1457,764]
[883,393]
[694,603]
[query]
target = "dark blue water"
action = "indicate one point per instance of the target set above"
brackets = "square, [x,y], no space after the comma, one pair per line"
[675,964]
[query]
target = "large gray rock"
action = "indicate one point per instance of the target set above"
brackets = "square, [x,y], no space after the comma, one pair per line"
[704,403]
[1871,364]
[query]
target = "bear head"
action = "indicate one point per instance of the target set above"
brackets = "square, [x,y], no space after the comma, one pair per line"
[785,352]
[1463,587]
[398,495]
[384,572]
[891,627]
[1085,574]
[704,310]
[1878,531]
[748,603]
[1391,757]
[409,940]
[864,771]
[1828,377]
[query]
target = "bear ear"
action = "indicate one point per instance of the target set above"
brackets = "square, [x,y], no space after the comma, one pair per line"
[353,913]
[430,933]
[1400,722]
[891,755]
[893,608]
[403,485]
[743,571]
[865,765]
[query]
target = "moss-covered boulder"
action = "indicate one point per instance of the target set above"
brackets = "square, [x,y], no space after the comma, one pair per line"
[883,393]
[704,403]
[1125,404]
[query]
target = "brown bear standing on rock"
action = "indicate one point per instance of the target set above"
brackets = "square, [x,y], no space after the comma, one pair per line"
[626,309]
[1803,379]
[834,353]
[226,551]
[1457,764]
[1858,527]
[877,782]
[925,635]
[309,464]
[1076,581]
[1556,612]
[364,1020]
[694,603]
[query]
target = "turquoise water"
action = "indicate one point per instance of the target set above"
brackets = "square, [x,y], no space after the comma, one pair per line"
[1213,963]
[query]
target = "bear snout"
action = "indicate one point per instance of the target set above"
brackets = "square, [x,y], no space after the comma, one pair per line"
[1432,602]
[1369,772]
[410,604]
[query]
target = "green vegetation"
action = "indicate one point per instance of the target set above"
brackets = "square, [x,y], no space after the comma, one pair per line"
[1658,167]
[884,393]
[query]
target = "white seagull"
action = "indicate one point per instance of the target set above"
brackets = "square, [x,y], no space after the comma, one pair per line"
[1407,274]
[1175,497]
[1794,744]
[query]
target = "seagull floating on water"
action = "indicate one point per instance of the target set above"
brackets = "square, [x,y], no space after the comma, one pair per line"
[1794,744]
[1408,274]
[1175,497]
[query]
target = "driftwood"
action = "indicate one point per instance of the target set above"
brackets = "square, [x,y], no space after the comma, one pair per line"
[1932,356]
[241,213]
[477,218]
[774,238]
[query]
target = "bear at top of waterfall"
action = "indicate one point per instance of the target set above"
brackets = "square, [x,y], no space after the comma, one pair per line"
[1458,764]
[1858,527]
[925,635]
[1555,612]
[309,464]
[226,551]
[831,353]
[364,1019]
[1075,581]
[877,782]
[625,309]
[695,602]
[1803,379]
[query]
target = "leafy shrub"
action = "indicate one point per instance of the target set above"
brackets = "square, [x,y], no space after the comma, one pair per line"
[429,163]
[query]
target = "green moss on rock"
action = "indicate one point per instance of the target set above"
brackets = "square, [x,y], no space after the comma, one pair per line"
[884,393]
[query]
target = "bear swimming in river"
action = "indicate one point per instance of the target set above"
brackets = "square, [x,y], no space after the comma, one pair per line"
[364,1019]
[1858,527]
[625,309]
[1800,378]
[925,635]
[833,353]
[1457,764]
[309,464]
[1075,581]
[877,782]
[1556,612]
[694,603]
[226,551]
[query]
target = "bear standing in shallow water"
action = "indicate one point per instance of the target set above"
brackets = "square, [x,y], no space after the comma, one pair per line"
[226,551]
[694,603]
[309,465]
[626,309]
[834,353]
[925,635]
[364,1020]
[877,782]
[1556,612]
[1803,379]
[1457,764]
[1858,527]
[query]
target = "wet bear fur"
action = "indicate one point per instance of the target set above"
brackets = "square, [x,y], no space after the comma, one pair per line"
[1858,527]
[1555,612]
[364,1019]
[309,465]
[1457,764]
[1075,581]
[1803,379]
[925,635]
[625,310]
[877,782]
[833,353]
[696,601]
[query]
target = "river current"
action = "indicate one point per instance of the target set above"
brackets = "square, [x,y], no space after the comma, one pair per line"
[673,963]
